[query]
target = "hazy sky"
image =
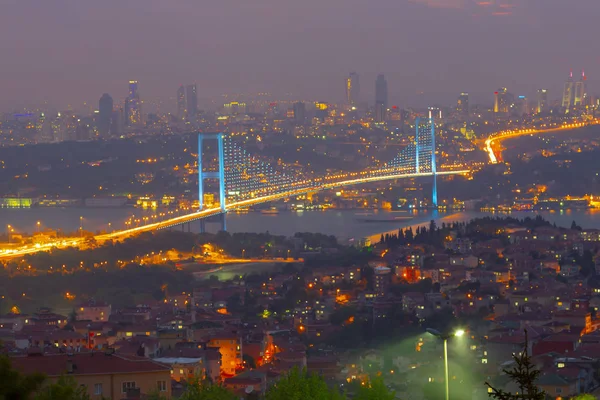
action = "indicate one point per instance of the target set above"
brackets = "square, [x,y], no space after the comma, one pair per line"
[67,52]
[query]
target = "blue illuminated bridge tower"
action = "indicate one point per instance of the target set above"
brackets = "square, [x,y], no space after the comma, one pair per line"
[219,175]
[425,152]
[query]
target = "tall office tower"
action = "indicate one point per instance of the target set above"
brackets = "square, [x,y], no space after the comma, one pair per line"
[502,101]
[542,100]
[133,105]
[181,110]
[521,106]
[580,91]
[191,101]
[299,113]
[381,98]
[462,104]
[567,99]
[105,111]
[352,89]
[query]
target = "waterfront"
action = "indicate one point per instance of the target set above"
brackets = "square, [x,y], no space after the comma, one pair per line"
[345,224]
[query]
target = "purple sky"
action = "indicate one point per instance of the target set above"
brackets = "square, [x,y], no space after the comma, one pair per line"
[71,51]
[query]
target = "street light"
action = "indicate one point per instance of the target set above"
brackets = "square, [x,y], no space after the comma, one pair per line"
[38,226]
[8,230]
[445,337]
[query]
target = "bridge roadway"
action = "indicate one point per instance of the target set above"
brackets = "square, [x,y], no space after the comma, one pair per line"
[183,219]
[500,136]
[257,200]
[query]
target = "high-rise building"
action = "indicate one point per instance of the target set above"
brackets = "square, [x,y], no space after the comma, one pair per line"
[382,280]
[133,105]
[181,110]
[381,98]
[299,113]
[462,104]
[434,112]
[352,89]
[502,101]
[105,111]
[521,106]
[542,100]
[567,99]
[191,101]
[580,94]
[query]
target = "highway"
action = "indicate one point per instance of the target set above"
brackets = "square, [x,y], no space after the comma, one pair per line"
[194,216]
[501,136]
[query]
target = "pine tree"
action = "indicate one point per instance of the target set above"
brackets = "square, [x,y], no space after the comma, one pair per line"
[524,374]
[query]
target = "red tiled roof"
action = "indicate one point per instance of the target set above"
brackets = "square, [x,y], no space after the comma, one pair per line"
[86,364]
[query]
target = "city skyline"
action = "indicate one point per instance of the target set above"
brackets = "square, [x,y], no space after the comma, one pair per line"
[476,41]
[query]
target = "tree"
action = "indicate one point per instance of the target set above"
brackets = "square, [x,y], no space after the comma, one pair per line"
[66,388]
[16,386]
[584,397]
[524,374]
[299,385]
[375,390]
[198,390]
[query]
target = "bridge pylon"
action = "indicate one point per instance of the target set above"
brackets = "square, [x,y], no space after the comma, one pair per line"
[425,147]
[218,175]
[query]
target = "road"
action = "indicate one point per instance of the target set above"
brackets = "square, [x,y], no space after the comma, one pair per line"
[501,136]
[123,234]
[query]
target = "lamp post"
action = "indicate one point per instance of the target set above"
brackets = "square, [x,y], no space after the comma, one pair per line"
[445,337]
[38,224]
[80,226]
[8,230]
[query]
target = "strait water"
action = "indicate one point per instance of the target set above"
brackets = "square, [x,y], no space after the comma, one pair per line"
[344,224]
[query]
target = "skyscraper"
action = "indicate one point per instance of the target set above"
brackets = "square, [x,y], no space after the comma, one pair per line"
[462,104]
[352,89]
[542,100]
[521,106]
[181,110]
[105,110]
[580,91]
[133,105]
[502,101]
[381,98]
[567,99]
[191,101]
[299,113]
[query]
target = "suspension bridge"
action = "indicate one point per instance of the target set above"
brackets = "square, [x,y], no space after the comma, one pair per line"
[246,180]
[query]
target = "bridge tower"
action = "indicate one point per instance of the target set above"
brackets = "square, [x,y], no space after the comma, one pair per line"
[219,175]
[425,145]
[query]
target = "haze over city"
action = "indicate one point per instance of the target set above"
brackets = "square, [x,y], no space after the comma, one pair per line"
[318,199]
[66,52]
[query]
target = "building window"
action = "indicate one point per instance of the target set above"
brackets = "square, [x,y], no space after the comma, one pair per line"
[484,360]
[97,389]
[162,386]
[127,386]
[558,390]
[560,365]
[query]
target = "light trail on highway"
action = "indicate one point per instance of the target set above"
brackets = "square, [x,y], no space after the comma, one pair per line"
[182,219]
[500,136]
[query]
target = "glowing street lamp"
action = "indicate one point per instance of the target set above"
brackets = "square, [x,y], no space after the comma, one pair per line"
[445,337]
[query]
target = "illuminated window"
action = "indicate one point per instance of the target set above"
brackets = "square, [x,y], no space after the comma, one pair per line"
[560,365]
[484,360]
[129,334]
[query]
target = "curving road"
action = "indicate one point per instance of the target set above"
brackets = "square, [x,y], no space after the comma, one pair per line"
[501,136]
